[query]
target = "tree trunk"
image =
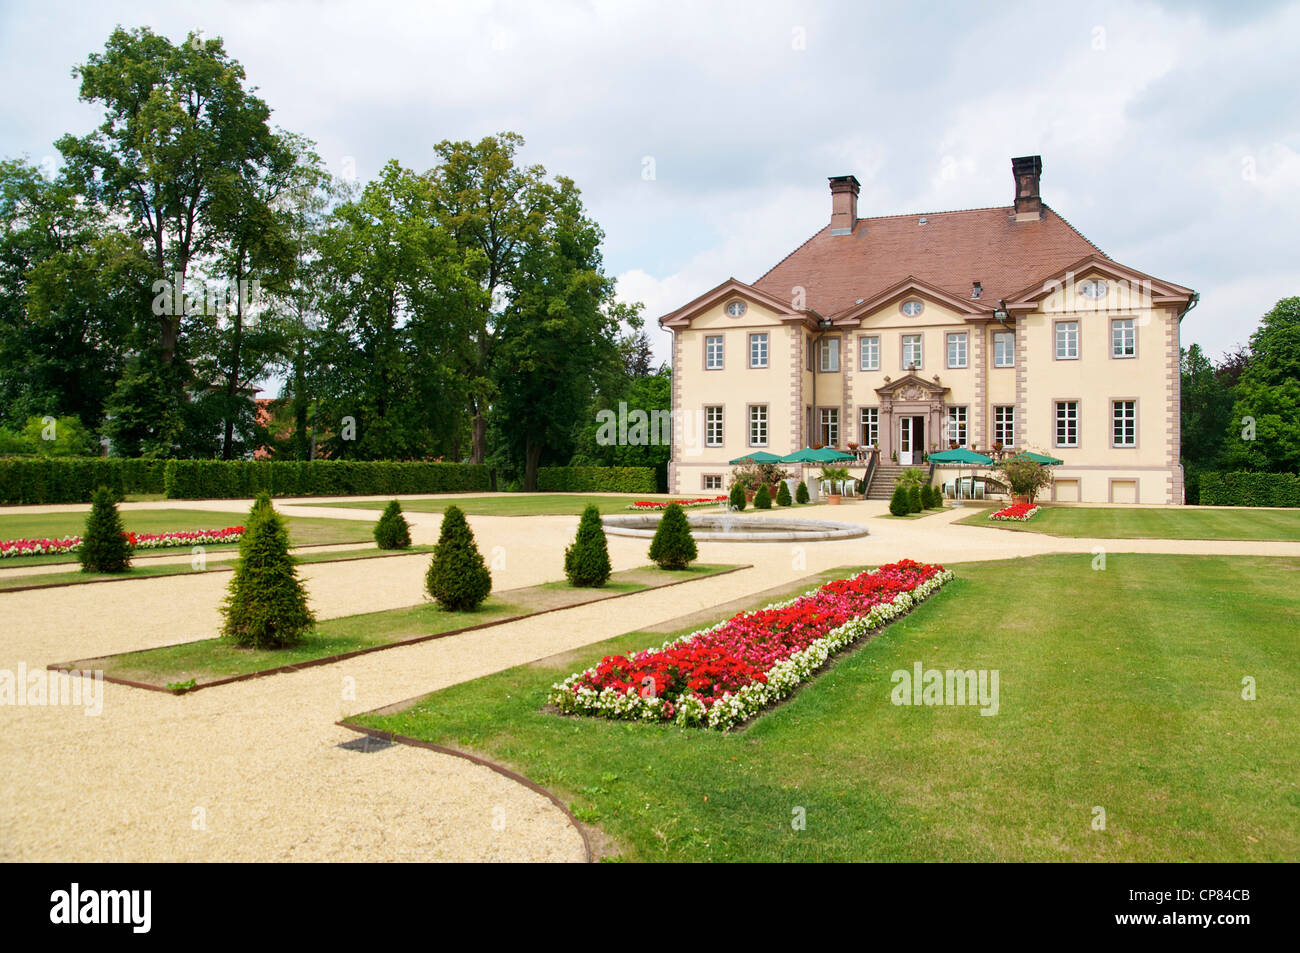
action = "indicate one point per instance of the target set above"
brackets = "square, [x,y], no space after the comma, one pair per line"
[532,457]
[479,452]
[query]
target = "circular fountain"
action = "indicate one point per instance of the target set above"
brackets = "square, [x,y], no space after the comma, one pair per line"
[730,528]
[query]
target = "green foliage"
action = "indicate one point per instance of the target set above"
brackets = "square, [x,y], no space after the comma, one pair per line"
[1206,409]
[763,498]
[1249,489]
[586,562]
[801,493]
[898,503]
[104,545]
[74,479]
[931,497]
[736,498]
[911,477]
[673,546]
[750,476]
[783,494]
[224,479]
[392,531]
[1024,476]
[457,579]
[266,607]
[596,480]
[914,499]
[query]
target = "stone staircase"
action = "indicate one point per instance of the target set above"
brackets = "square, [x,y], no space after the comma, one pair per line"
[883,480]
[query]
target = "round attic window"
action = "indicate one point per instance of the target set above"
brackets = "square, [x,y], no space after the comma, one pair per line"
[736,309]
[1093,288]
[912,307]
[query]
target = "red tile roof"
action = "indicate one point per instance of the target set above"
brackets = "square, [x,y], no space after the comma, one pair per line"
[951,251]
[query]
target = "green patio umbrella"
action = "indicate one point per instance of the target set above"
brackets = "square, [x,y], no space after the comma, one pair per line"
[1040,458]
[962,457]
[820,455]
[758,456]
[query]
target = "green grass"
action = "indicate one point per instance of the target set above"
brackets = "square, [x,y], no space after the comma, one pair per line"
[303,531]
[145,569]
[1098,522]
[1119,689]
[518,504]
[207,660]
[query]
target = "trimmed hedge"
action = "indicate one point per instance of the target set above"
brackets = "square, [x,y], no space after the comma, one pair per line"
[1249,489]
[224,479]
[596,480]
[75,479]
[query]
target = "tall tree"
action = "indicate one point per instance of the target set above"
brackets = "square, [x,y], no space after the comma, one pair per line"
[1264,432]
[1206,410]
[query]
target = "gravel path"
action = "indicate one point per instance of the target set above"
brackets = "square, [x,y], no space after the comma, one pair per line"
[253,771]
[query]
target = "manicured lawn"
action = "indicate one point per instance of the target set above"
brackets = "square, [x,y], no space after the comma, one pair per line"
[210,659]
[1154,523]
[520,504]
[1119,689]
[145,568]
[303,531]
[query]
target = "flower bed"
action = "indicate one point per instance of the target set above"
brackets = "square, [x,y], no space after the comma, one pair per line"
[1018,512]
[684,504]
[721,676]
[70,544]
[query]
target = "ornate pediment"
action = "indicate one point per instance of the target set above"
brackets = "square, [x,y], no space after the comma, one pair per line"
[912,387]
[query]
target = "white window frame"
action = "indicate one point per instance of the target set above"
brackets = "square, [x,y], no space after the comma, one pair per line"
[828,426]
[1067,340]
[962,340]
[1004,424]
[1126,341]
[758,425]
[957,418]
[823,351]
[712,420]
[869,352]
[1123,424]
[709,355]
[704,485]
[1004,349]
[758,340]
[1070,418]
[919,340]
[869,426]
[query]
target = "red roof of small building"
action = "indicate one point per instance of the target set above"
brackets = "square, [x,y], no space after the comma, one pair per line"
[951,251]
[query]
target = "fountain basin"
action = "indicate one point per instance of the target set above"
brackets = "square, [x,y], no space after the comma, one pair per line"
[738,529]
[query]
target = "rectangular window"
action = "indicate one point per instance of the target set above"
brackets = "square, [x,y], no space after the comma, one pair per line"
[713,352]
[758,425]
[957,349]
[830,426]
[713,426]
[1004,426]
[713,481]
[808,352]
[758,350]
[1067,340]
[912,351]
[1124,417]
[870,435]
[1004,349]
[830,355]
[1123,338]
[955,425]
[869,352]
[1067,423]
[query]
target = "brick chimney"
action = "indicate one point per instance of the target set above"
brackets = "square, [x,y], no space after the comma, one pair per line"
[844,204]
[1027,170]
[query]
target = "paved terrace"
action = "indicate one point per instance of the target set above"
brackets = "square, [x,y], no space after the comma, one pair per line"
[252,771]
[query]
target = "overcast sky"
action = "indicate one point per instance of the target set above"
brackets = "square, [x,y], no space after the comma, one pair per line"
[1170,132]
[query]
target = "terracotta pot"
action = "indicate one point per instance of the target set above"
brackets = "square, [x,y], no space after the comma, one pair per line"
[833,499]
[1019,498]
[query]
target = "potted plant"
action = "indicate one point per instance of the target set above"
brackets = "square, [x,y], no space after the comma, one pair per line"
[837,477]
[1024,477]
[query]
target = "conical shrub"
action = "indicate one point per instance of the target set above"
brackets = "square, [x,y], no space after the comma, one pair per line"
[673,546]
[801,493]
[898,503]
[104,545]
[586,562]
[914,499]
[737,497]
[266,607]
[783,495]
[392,531]
[763,498]
[457,578]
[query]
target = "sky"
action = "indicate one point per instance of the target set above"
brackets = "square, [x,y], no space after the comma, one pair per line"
[702,134]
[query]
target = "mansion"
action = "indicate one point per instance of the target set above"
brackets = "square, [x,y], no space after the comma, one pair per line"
[995,329]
